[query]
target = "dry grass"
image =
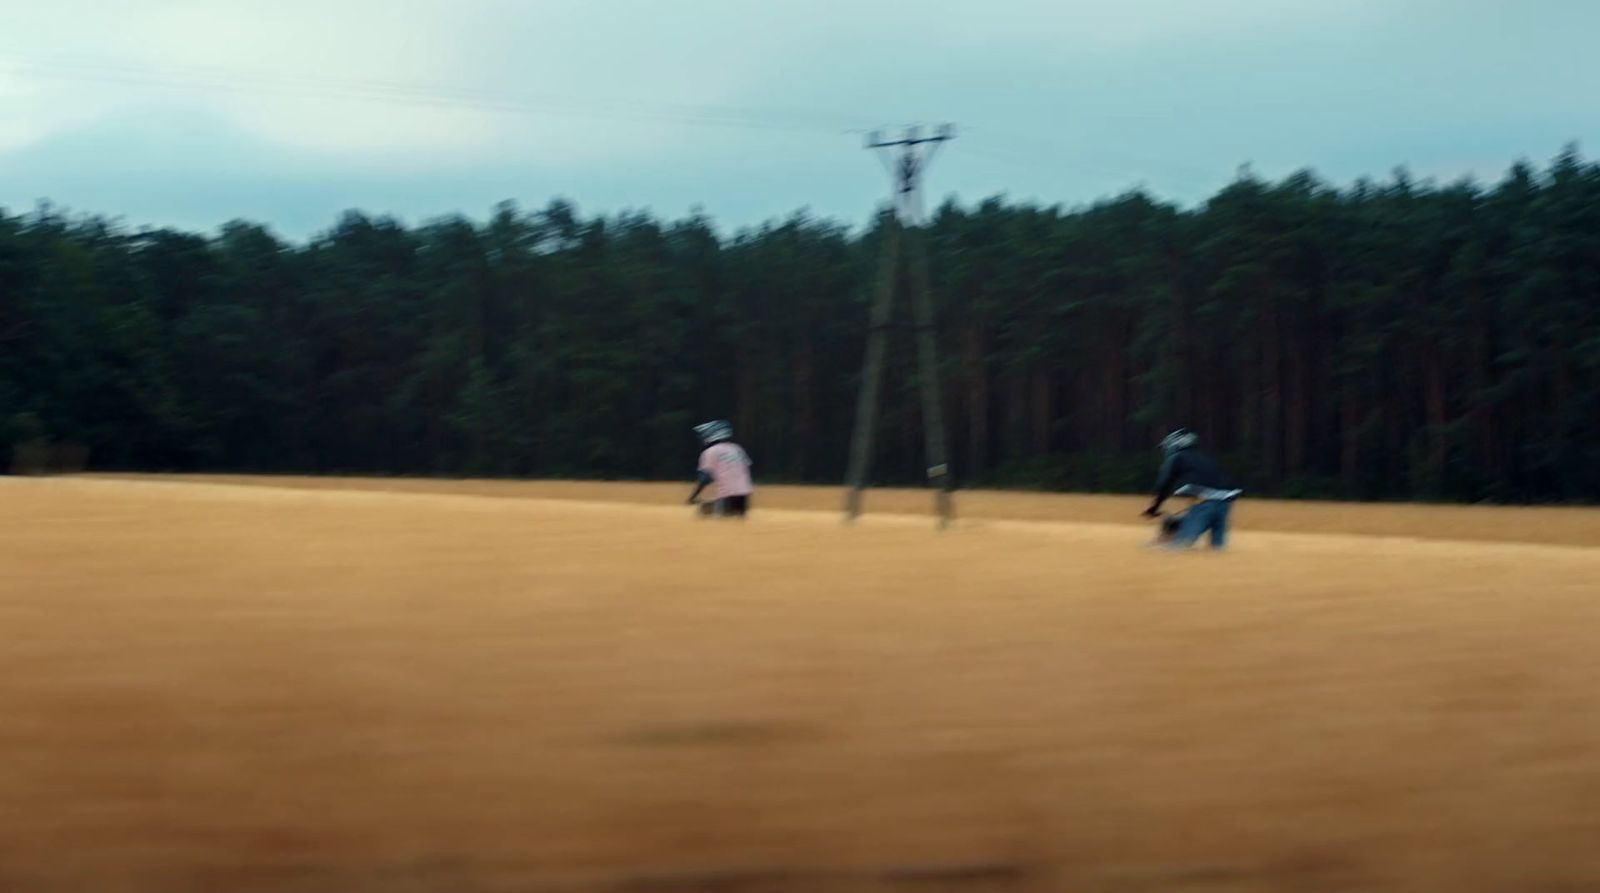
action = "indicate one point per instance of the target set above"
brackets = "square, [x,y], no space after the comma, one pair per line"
[314,686]
[1550,525]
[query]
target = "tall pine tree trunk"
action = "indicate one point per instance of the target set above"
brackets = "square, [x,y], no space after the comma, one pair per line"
[1271,395]
[1298,411]
[1016,443]
[805,403]
[1181,351]
[1482,407]
[746,392]
[1350,424]
[1437,415]
[974,348]
[1113,396]
[1043,411]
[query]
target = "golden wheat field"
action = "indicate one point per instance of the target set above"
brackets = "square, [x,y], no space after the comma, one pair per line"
[331,686]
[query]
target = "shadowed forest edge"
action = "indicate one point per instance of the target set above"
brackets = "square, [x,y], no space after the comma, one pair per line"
[1388,340]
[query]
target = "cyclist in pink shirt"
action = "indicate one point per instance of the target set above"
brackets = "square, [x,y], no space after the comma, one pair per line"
[725,467]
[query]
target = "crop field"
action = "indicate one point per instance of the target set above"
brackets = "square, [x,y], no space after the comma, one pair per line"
[254,685]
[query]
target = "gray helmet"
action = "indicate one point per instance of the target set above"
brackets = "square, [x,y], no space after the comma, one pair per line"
[714,432]
[1180,439]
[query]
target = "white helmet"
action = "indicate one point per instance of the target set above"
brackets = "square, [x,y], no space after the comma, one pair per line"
[1180,439]
[714,432]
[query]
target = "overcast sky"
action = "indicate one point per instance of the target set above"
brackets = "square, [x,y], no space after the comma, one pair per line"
[195,112]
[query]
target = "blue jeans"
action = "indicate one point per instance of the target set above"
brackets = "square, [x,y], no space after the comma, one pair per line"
[1212,516]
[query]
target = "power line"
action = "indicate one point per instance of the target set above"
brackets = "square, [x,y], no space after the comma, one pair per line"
[1017,149]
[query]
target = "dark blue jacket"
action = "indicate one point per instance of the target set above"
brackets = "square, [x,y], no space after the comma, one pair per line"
[1190,466]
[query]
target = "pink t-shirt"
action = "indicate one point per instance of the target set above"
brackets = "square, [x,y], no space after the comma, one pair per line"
[729,468]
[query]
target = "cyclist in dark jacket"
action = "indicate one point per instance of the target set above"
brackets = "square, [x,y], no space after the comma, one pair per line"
[1186,471]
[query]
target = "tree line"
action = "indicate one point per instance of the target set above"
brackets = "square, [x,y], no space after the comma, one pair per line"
[1394,339]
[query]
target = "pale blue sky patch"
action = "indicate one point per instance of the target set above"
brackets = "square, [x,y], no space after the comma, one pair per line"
[193,112]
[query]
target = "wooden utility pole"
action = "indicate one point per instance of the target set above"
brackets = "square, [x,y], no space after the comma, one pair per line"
[904,256]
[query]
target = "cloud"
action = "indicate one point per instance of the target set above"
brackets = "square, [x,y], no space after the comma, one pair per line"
[449,81]
[424,83]
[32,109]
[306,76]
